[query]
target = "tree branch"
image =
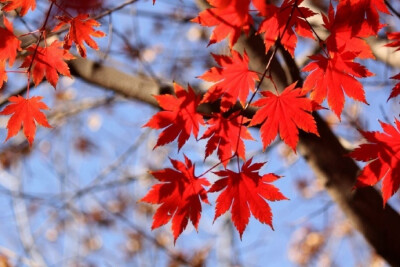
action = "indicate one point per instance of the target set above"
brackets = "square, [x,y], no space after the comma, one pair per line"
[325,155]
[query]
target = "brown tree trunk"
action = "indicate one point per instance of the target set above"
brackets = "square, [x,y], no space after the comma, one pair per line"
[325,155]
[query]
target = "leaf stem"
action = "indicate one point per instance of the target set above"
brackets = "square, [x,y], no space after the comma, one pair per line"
[309,24]
[215,166]
[62,9]
[42,33]
[267,68]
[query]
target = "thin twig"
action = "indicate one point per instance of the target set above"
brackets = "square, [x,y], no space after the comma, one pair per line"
[389,5]
[267,68]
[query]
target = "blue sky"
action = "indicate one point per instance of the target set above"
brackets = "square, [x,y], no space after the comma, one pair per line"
[55,169]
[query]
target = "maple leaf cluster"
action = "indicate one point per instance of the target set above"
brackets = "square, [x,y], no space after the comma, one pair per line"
[41,61]
[333,74]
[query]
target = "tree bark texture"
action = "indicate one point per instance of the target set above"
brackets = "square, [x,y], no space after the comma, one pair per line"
[324,154]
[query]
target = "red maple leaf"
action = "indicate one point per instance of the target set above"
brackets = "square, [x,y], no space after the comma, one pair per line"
[226,134]
[3,73]
[81,6]
[233,80]
[24,114]
[382,152]
[179,117]
[25,5]
[341,36]
[363,14]
[260,5]
[9,43]
[284,113]
[228,21]
[279,23]
[48,61]
[80,31]
[334,74]
[396,89]
[225,3]
[241,6]
[395,37]
[179,195]
[246,192]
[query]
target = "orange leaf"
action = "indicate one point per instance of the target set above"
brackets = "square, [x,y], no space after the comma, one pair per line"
[25,5]
[246,192]
[49,61]
[284,113]
[179,195]
[81,30]
[24,114]
[9,43]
